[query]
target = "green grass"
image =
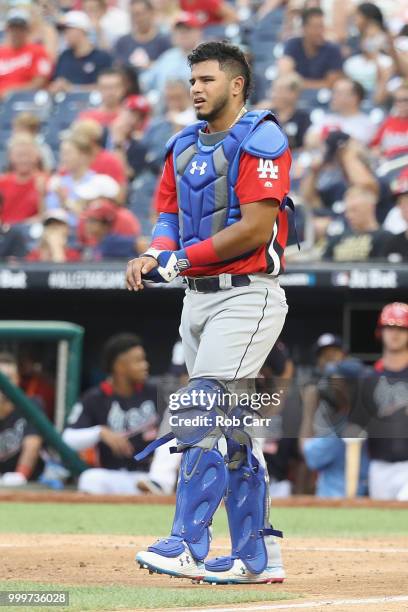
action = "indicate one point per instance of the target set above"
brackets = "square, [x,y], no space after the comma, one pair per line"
[116,598]
[156,520]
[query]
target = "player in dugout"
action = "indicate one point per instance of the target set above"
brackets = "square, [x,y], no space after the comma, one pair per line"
[119,417]
[20,443]
[223,226]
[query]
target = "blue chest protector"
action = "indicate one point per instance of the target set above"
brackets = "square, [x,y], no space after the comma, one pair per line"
[206,175]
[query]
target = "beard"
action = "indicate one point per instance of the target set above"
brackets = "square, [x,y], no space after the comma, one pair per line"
[218,107]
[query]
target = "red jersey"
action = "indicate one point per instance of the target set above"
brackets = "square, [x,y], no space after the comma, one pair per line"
[104,118]
[206,11]
[126,224]
[253,184]
[18,67]
[70,254]
[20,200]
[392,137]
[109,163]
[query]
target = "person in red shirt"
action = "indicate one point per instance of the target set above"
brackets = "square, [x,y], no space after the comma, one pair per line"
[104,187]
[210,12]
[391,140]
[53,245]
[103,161]
[111,87]
[23,187]
[23,65]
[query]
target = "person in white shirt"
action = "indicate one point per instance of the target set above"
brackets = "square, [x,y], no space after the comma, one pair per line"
[345,114]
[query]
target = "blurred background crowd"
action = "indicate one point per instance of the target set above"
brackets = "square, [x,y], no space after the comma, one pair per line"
[90,91]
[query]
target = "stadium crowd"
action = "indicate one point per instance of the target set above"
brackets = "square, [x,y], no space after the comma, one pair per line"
[91,90]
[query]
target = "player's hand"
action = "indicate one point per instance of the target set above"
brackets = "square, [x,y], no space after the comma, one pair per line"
[118,443]
[135,269]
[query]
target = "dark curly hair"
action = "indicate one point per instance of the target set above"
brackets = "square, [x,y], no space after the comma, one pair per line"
[117,345]
[230,58]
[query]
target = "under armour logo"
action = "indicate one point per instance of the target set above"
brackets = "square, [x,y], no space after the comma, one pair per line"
[195,166]
[185,560]
[266,169]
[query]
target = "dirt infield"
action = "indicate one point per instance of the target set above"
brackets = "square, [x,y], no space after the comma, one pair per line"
[318,569]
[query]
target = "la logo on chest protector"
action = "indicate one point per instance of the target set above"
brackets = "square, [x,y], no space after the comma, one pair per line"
[195,166]
[267,169]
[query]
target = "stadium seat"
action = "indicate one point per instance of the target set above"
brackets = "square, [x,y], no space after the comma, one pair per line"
[37,102]
[314,98]
[140,199]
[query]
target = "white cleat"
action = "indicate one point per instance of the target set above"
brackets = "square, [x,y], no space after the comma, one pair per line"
[182,566]
[239,574]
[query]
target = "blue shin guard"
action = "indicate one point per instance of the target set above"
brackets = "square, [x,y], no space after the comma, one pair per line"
[201,486]
[247,504]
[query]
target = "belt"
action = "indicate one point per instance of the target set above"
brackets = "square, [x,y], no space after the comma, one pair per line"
[211,284]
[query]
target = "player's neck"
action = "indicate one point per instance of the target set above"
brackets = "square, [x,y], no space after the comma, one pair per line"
[227,120]
[395,361]
[123,387]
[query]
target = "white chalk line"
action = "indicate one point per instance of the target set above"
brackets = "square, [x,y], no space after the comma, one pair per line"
[346,549]
[310,604]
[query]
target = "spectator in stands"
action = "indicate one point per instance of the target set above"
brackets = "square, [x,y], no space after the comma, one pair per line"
[318,61]
[210,12]
[391,140]
[145,43]
[22,189]
[173,64]
[12,241]
[24,65]
[127,132]
[81,62]
[372,67]
[120,417]
[284,98]
[397,247]
[111,86]
[75,161]
[102,161]
[325,452]
[345,113]
[28,123]
[332,165]
[42,29]
[109,23]
[20,443]
[177,114]
[100,219]
[104,187]
[365,239]
[53,246]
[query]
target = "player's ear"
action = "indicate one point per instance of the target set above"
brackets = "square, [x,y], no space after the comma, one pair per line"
[237,85]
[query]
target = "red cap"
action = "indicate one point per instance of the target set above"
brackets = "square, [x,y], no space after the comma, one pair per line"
[102,210]
[189,20]
[394,315]
[400,185]
[138,103]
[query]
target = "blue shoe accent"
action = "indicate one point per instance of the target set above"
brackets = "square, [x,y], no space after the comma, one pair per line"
[168,547]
